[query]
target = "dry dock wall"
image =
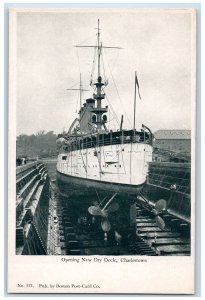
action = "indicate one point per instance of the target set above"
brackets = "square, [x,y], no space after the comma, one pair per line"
[172,182]
[32,206]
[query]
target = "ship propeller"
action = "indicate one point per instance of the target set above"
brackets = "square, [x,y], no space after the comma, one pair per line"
[160,206]
[104,212]
[105,225]
[160,222]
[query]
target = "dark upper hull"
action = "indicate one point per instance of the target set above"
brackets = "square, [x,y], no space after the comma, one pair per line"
[72,185]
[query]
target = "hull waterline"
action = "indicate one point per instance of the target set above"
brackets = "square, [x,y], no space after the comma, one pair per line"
[71,185]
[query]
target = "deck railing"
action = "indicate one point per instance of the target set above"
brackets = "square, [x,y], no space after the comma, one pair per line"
[116,138]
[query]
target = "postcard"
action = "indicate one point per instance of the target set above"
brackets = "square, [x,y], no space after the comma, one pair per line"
[102,151]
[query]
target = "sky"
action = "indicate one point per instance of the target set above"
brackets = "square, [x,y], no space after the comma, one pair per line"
[156,44]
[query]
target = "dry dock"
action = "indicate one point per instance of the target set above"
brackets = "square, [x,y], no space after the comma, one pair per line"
[47,224]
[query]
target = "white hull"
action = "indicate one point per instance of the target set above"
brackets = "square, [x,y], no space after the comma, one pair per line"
[118,164]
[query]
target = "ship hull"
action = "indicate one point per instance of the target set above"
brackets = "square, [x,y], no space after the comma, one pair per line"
[71,185]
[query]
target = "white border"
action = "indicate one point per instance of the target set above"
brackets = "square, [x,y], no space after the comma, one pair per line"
[202,106]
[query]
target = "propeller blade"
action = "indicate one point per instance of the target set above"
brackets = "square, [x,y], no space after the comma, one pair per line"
[155,212]
[161,205]
[118,237]
[105,225]
[160,222]
[95,211]
[113,207]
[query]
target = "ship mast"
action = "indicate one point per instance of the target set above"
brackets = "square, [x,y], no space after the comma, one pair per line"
[98,34]
[99,95]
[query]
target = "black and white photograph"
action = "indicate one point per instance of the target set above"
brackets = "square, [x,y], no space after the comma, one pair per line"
[102,137]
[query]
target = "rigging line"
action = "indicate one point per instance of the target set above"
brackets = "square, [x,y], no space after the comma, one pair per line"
[103,200]
[103,153]
[103,64]
[112,111]
[83,114]
[85,40]
[95,145]
[105,60]
[82,155]
[114,114]
[73,86]
[114,62]
[85,166]
[118,94]
[93,65]
[125,146]
[83,161]
[97,196]
[110,120]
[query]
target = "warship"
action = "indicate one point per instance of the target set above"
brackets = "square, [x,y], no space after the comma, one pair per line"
[92,157]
